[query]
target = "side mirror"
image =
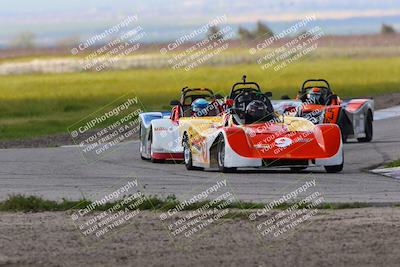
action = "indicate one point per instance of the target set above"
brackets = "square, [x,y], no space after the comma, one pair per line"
[174,103]
[268,94]
[218,96]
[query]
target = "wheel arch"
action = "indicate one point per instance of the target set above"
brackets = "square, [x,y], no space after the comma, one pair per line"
[213,151]
[369,111]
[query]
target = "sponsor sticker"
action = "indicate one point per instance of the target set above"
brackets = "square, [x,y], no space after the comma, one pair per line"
[283,142]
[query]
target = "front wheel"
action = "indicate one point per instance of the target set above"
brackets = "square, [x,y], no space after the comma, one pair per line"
[344,135]
[187,155]
[141,143]
[335,168]
[369,130]
[221,157]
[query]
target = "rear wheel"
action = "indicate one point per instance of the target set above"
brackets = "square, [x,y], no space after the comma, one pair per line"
[369,130]
[221,156]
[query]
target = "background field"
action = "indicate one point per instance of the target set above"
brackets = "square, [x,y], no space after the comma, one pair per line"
[41,104]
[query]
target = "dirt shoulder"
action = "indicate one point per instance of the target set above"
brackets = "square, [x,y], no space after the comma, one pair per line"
[387,100]
[354,237]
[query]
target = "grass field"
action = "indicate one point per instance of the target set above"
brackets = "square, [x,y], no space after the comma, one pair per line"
[41,104]
[24,203]
[393,164]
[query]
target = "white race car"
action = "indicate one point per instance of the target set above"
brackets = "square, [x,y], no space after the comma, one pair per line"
[159,131]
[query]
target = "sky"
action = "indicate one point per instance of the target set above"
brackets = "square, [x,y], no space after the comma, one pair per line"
[53,19]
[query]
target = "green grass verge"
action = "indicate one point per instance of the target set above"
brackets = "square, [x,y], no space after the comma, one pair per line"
[393,164]
[41,104]
[22,203]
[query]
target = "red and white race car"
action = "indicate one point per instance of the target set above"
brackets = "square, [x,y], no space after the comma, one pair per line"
[251,134]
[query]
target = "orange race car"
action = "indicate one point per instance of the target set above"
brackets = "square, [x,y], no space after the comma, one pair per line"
[317,103]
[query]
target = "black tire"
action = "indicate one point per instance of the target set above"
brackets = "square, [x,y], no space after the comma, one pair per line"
[344,135]
[297,169]
[343,125]
[141,144]
[187,155]
[221,156]
[369,129]
[335,168]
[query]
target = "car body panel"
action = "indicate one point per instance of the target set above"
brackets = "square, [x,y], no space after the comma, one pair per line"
[253,145]
[349,114]
[164,134]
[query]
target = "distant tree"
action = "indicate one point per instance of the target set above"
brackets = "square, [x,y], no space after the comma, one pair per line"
[263,30]
[23,40]
[387,29]
[214,32]
[245,34]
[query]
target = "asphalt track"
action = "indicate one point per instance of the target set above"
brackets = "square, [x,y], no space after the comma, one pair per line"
[61,172]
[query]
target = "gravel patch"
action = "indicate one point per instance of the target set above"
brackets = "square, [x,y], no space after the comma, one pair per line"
[354,237]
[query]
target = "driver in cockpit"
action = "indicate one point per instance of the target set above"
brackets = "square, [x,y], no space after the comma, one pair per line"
[256,111]
[199,107]
[314,96]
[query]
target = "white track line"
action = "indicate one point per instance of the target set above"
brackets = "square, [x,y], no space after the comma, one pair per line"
[74,146]
[389,172]
[387,113]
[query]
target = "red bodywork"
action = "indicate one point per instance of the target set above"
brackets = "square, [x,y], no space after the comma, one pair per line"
[260,141]
[355,104]
[168,156]
[332,111]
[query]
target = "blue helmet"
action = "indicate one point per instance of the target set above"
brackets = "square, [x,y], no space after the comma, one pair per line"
[199,104]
